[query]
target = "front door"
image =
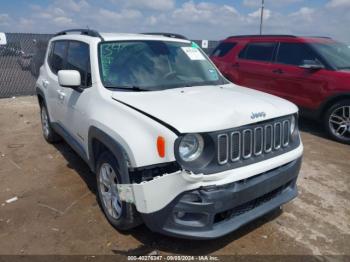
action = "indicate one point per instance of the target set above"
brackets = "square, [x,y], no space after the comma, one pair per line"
[76,101]
[292,82]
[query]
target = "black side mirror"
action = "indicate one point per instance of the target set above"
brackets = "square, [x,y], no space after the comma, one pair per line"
[311,65]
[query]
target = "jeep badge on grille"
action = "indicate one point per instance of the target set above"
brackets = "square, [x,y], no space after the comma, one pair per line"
[258,115]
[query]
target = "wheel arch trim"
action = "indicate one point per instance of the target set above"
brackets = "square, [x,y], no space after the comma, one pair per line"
[40,94]
[114,146]
[331,100]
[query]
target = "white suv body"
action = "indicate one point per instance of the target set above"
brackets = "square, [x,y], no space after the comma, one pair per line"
[141,138]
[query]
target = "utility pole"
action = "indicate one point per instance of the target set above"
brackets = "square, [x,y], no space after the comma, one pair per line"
[262,16]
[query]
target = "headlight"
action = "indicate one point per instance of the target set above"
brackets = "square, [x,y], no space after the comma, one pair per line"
[191,147]
[292,125]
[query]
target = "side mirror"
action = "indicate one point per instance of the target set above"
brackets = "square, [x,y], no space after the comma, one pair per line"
[69,78]
[312,65]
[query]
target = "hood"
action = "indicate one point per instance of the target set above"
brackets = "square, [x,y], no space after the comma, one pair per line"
[207,108]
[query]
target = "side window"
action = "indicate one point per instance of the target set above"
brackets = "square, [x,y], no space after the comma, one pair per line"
[78,58]
[223,48]
[56,60]
[258,51]
[294,54]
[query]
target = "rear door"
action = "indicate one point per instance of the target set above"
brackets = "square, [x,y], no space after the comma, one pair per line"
[254,65]
[291,81]
[56,61]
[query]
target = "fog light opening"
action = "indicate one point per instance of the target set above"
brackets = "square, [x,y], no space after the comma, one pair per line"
[190,219]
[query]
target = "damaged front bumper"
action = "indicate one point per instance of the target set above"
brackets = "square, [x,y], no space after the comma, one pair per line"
[209,206]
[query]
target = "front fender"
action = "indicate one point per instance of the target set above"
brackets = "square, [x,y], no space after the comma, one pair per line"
[117,149]
[134,132]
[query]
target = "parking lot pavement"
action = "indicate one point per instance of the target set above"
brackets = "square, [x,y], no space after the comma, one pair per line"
[52,206]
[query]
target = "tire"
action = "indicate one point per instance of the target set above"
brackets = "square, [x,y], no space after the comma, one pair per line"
[337,121]
[121,215]
[49,134]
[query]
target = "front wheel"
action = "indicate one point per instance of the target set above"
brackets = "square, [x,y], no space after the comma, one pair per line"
[121,215]
[337,121]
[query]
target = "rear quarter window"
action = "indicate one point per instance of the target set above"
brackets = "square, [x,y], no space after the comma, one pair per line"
[262,51]
[223,49]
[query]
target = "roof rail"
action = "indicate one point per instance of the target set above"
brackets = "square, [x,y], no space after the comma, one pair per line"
[239,36]
[171,35]
[87,32]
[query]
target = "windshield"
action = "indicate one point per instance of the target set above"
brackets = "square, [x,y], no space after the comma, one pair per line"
[336,54]
[155,65]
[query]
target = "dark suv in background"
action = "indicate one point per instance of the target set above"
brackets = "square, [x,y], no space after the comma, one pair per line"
[312,72]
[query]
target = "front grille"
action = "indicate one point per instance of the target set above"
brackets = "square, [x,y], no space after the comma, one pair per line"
[252,141]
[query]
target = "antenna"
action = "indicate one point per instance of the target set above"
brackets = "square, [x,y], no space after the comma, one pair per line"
[262,16]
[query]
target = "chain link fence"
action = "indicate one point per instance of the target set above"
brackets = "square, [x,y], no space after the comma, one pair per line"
[20,61]
[22,56]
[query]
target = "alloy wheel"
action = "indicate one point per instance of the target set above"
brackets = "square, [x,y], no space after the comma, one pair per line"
[339,122]
[108,187]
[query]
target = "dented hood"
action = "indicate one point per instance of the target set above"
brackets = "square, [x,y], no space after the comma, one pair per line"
[207,108]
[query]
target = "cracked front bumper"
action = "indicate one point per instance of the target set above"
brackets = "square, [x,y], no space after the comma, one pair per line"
[214,211]
[228,200]
[152,196]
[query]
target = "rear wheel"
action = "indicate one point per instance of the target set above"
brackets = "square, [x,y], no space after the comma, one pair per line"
[49,134]
[337,121]
[120,214]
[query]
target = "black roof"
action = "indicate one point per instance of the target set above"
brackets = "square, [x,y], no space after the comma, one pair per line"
[93,33]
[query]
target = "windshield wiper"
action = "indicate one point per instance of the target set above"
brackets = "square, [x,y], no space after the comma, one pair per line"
[133,88]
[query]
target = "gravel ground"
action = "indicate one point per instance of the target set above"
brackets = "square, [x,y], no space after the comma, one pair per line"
[56,210]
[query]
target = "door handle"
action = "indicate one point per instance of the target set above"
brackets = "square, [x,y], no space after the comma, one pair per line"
[61,95]
[235,65]
[45,83]
[277,71]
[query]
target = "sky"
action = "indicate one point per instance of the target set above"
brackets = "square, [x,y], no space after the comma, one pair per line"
[213,20]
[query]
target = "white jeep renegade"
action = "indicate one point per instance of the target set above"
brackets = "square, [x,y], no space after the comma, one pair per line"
[172,142]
